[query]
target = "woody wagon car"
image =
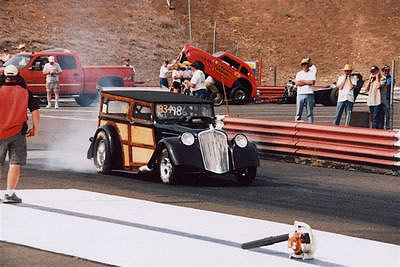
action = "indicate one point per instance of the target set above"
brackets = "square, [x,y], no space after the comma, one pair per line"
[167,134]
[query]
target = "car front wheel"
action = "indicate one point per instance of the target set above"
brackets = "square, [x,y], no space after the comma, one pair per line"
[167,169]
[246,176]
[102,154]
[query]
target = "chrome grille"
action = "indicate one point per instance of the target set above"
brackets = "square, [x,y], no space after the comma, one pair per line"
[214,150]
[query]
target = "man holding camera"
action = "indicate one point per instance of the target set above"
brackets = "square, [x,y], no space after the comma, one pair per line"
[374,100]
[346,84]
[386,89]
[52,71]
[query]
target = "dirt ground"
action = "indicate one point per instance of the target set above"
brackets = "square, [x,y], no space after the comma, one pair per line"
[332,33]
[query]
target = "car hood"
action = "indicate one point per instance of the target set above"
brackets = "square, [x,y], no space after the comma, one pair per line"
[177,129]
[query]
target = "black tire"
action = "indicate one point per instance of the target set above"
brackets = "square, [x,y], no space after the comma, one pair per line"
[246,176]
[239,95]
[167,169]
[85,100]
[333,98]
[102,154]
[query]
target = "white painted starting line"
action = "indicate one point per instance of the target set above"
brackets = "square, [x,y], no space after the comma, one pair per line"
[129,232]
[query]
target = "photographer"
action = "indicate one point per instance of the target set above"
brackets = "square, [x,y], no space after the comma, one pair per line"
[374,100]
[386,90]
[52,71]
[346,84]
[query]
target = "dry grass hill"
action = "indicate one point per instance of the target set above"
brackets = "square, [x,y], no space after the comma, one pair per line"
[331,32]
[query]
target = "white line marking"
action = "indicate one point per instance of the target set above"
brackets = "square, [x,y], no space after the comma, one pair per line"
[67,118]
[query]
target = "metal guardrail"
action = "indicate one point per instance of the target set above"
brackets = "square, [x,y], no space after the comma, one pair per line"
[350,144]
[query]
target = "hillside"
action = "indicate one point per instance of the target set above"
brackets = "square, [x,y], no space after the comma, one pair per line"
[332,33]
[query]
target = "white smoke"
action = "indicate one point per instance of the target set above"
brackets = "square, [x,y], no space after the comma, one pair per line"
[66,141]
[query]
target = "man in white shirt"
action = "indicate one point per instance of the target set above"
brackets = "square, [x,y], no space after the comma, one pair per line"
[346,84]
[52,70]
[197,83]
[164,74]
[305,80]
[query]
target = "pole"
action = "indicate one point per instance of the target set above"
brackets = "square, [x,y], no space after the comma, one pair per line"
[391,99]
[259,72]
[274,75]
[190,22]
[214,35]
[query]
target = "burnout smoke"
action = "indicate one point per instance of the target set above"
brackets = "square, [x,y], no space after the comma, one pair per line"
[66,140]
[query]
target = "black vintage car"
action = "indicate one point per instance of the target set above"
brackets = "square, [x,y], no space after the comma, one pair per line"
[169,134]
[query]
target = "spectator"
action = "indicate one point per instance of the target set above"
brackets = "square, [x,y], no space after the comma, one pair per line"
[346,84]
[13,127]
[176,79]
[305,80]
[127,63]
[52,71]
[5,55]
[21,48]
[197,83]
[210,85]
[164,74]
[386,94]
[1,63]
[374,100]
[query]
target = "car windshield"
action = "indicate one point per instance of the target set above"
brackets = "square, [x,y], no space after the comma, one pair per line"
[183,110]
[219,53]
[18,61]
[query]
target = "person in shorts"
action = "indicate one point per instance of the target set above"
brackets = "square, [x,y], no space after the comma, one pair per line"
[15,99]
[52,70]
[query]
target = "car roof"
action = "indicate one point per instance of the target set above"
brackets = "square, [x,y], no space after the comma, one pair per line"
[157,97]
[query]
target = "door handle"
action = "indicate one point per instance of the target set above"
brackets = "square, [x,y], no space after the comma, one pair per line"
[76,74]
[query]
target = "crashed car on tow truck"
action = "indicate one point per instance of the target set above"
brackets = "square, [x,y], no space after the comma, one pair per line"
[168,134]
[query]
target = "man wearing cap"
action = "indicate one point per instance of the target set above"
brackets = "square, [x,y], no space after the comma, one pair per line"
[15,99]
[346,84]
[386,95]
[305,80]
[197,83]
[374,100]
[21,48]
[52,70]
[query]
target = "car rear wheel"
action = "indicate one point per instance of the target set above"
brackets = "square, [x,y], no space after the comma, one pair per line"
[167,169]
[246,176]
[102,154]
[85,100]
[239,95]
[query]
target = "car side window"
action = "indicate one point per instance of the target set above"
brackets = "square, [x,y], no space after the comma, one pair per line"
[231,62]
[39,63]
[116,108]
[67,62]
[142,112]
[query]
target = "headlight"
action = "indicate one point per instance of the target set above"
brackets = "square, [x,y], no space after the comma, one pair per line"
[240,140]
[187,139]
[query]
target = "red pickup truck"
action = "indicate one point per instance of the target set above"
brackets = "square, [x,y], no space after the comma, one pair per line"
[80,82]
[226,69]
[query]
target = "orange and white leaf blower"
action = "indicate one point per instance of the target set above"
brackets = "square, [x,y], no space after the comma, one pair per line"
[301,241]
